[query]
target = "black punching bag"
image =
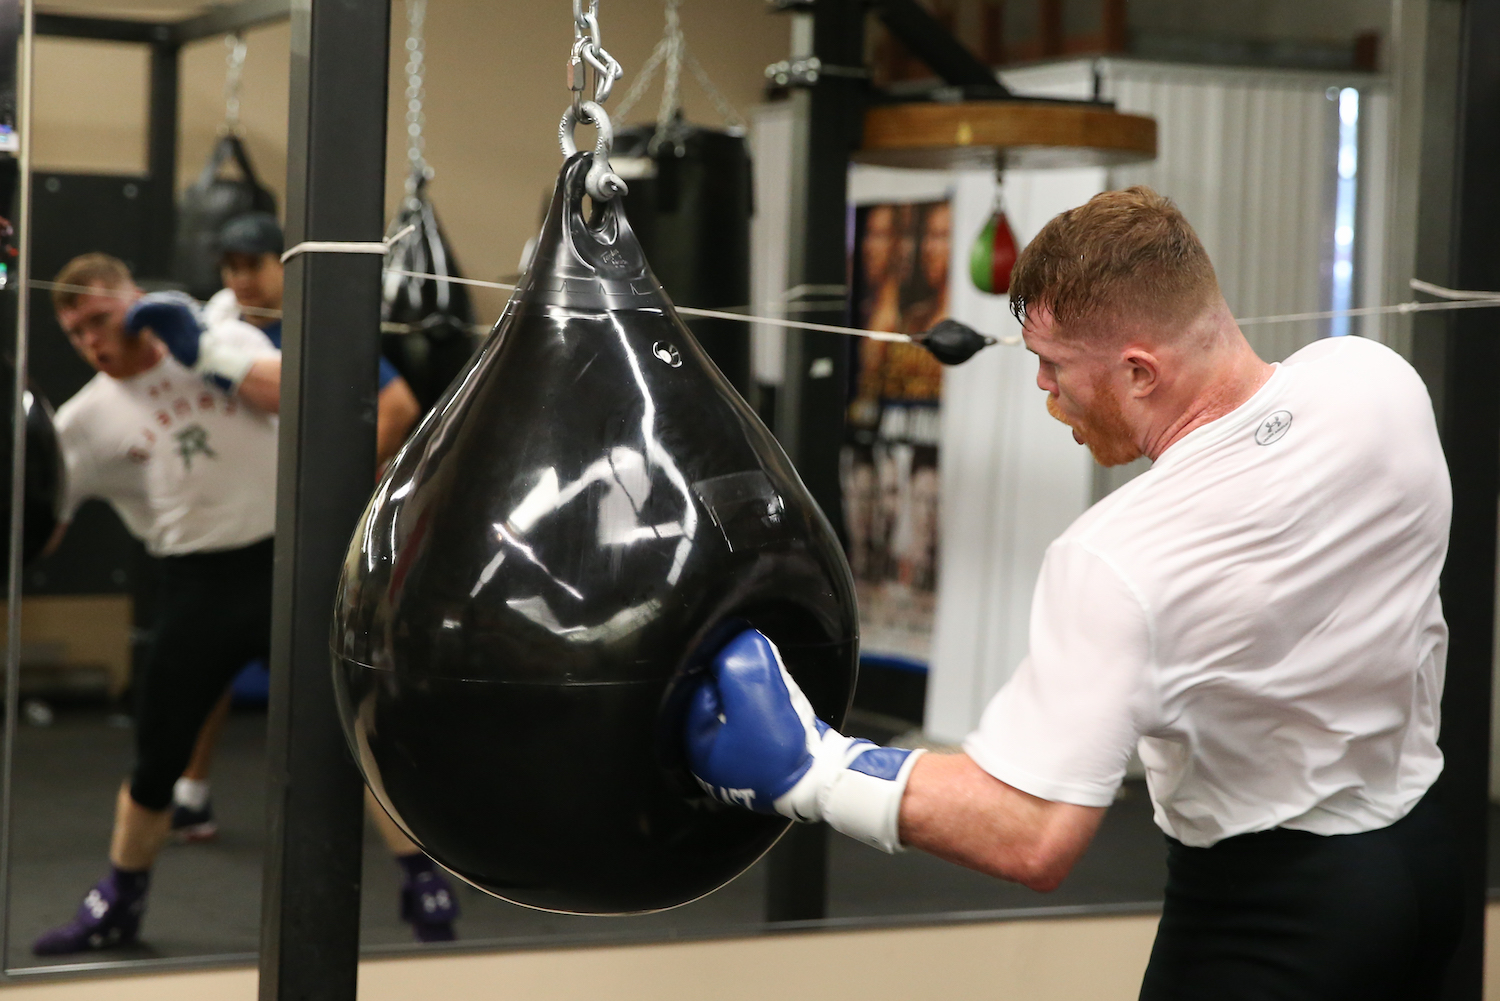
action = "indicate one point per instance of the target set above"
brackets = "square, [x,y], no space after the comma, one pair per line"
[690,209]
[433,343]
[44,469]
[587,516]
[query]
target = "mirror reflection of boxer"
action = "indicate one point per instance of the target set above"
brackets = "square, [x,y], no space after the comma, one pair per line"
[1258,613]
[250,248]
[191,471]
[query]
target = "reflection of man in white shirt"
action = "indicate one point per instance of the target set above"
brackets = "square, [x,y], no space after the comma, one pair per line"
[191,470]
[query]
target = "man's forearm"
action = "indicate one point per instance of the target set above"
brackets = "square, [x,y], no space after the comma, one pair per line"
[261,387]
[959,812]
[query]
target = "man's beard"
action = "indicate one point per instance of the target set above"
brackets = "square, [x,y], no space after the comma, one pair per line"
[1103,429]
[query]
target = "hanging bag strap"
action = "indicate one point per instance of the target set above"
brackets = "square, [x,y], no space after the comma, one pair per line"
[228,146]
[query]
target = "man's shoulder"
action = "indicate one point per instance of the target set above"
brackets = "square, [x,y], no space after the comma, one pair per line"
[221,306]
[87,402]
[1358,361]
[234,330]
[1361,386]
[1109,517]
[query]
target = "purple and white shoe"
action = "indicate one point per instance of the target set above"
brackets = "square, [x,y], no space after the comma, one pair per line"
[109,917]
[428,903]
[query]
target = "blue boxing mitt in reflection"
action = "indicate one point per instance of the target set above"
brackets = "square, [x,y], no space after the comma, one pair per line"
[177,322]
[753,740]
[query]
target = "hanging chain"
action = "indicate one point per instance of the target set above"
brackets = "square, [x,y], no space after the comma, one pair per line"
[671,96]
[670,54]
[233,71]
[602,183]
[416,92]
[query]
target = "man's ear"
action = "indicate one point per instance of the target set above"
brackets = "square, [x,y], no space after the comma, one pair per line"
[1144,371]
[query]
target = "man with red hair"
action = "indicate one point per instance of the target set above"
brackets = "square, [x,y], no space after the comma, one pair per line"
[1258,614]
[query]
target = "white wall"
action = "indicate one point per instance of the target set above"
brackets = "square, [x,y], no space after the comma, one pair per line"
[1012,477]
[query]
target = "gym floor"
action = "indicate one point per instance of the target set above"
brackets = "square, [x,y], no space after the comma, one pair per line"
[205,897]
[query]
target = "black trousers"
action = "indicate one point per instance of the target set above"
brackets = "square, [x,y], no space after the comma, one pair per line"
[213,614]
[1290,916]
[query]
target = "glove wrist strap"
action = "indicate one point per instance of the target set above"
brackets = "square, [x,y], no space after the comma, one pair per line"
[856,787]
[223,365]
[866,806]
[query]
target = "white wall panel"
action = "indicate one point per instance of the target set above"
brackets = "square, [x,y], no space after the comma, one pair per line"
[1012,477]
[771,145]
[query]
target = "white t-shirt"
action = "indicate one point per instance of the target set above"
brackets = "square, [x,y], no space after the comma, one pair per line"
[1259,610]
[187,468]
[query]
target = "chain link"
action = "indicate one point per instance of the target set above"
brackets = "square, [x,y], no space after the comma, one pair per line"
[416,93]
[602,182]
[671,53]
[233,72]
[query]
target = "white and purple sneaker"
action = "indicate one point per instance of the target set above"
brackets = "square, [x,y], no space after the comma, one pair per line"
[108,917]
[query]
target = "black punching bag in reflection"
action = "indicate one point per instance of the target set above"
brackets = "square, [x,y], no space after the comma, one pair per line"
[44,469]
[589,513]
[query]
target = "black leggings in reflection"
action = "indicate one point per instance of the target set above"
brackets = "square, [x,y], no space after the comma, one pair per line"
[213,614]
[1290,916]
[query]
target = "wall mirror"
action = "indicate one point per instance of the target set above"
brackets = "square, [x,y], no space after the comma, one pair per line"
[128,109]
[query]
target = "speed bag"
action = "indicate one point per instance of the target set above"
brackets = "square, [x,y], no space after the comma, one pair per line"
[209,203]
[993,256]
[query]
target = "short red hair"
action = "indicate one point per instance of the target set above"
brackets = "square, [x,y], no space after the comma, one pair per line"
[1122,255]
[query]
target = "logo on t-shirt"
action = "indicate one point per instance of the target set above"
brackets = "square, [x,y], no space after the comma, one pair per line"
[193,440]
[1272,428]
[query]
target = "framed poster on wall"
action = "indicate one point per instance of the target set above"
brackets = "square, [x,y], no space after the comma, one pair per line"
[899,270]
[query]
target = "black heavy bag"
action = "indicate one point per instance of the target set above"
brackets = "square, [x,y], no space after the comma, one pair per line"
[207,204]
[691,211]
[591,512]
[436,343]
[44,469]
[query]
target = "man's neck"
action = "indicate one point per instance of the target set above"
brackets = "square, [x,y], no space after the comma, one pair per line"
[144,360]
[1230,382]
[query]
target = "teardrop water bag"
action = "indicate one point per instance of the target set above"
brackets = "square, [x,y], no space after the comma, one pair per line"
[547,566]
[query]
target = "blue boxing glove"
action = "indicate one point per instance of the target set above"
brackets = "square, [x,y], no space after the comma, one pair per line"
[174,318]
[753,740]
[176,321]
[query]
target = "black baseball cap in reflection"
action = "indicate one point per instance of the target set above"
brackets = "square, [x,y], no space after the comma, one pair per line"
[251,233]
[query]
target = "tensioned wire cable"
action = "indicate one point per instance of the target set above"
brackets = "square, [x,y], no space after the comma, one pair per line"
[1449,299]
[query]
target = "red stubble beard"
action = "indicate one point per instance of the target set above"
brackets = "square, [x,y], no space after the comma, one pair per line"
[1103,428]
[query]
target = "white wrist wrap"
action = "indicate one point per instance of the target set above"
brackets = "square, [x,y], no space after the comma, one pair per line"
[223,363]
[865,805]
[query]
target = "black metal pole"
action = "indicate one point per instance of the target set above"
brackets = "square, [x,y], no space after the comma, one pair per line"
[326,465]
[936,46]
[1459,355]
[814,396]
[161,153]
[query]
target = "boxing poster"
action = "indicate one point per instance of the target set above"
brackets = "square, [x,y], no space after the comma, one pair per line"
[889,467]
